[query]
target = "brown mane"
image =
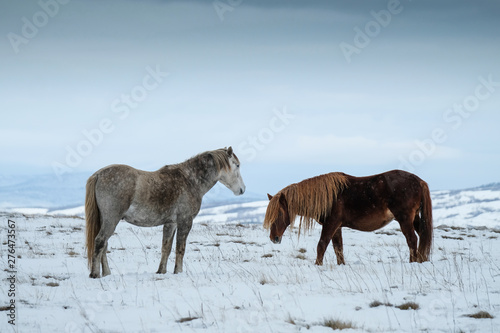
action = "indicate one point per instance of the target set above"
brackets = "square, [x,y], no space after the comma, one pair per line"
[310,199]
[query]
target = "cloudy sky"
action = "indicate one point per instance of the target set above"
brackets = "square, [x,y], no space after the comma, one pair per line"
[298,88]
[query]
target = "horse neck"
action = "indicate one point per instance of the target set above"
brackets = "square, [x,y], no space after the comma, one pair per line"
[299,205]
[202,171]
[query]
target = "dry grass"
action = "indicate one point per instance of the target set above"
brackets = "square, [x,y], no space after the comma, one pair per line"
[480,315]
[449,237]
[239,241]
[376,304]
[337,324]
[386,232]
[408,306]
[186,320]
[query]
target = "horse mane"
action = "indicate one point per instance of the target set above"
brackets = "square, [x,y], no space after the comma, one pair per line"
[219,156]
[221,159]
[311,199]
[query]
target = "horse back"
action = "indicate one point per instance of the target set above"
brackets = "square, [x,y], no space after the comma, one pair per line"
[371,202]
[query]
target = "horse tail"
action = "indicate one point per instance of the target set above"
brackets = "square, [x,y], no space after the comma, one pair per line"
[425,227]
[92,216]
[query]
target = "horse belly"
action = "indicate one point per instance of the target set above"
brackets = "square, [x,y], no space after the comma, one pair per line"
[143,217]
[373,221]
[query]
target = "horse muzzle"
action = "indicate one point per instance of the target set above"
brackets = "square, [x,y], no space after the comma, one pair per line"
[276,240]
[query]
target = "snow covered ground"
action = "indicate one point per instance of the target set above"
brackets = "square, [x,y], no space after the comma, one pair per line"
[236,280]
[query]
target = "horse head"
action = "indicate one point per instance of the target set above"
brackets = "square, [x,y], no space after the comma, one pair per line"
[231,176]
[282,221]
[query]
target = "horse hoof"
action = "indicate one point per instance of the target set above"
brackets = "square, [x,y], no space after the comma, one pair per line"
[161,272]
[94,276]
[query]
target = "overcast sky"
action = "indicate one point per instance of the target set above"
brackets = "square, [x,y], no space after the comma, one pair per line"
[298,88]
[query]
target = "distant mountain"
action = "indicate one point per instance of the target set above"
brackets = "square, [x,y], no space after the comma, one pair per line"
[487,187]
[220,195]
[47,191]
[479,206]
[43,191]
[475,206]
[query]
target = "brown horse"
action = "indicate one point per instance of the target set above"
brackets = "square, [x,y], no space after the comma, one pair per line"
[337,200]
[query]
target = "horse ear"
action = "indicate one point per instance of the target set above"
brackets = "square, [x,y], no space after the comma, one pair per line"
[283,201]
[230,151]
[269,196]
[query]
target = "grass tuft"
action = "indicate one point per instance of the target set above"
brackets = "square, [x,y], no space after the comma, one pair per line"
[449,237]
[376,304]
[408,306]
[480,315]
[187,319]
[337,324]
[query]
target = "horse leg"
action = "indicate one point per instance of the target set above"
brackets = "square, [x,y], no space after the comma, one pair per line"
[338,246]
[104,262]
[408,230]
[101,242]
[168,238]
[418,228]
[182,233]
[329,229]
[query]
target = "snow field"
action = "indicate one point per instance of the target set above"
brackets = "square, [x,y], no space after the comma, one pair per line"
[236,280]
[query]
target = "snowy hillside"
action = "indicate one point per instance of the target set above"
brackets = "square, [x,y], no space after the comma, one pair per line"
[236,280]
[473,207]
[476,207]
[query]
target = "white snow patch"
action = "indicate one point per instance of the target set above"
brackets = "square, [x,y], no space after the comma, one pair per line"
[236,280]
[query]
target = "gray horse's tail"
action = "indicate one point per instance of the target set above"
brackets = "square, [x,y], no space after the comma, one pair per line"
[92,216]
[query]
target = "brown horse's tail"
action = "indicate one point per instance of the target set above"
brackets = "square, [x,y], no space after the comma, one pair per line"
[425,227]
[92,216]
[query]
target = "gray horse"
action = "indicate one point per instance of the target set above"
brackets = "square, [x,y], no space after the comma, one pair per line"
[170,197]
